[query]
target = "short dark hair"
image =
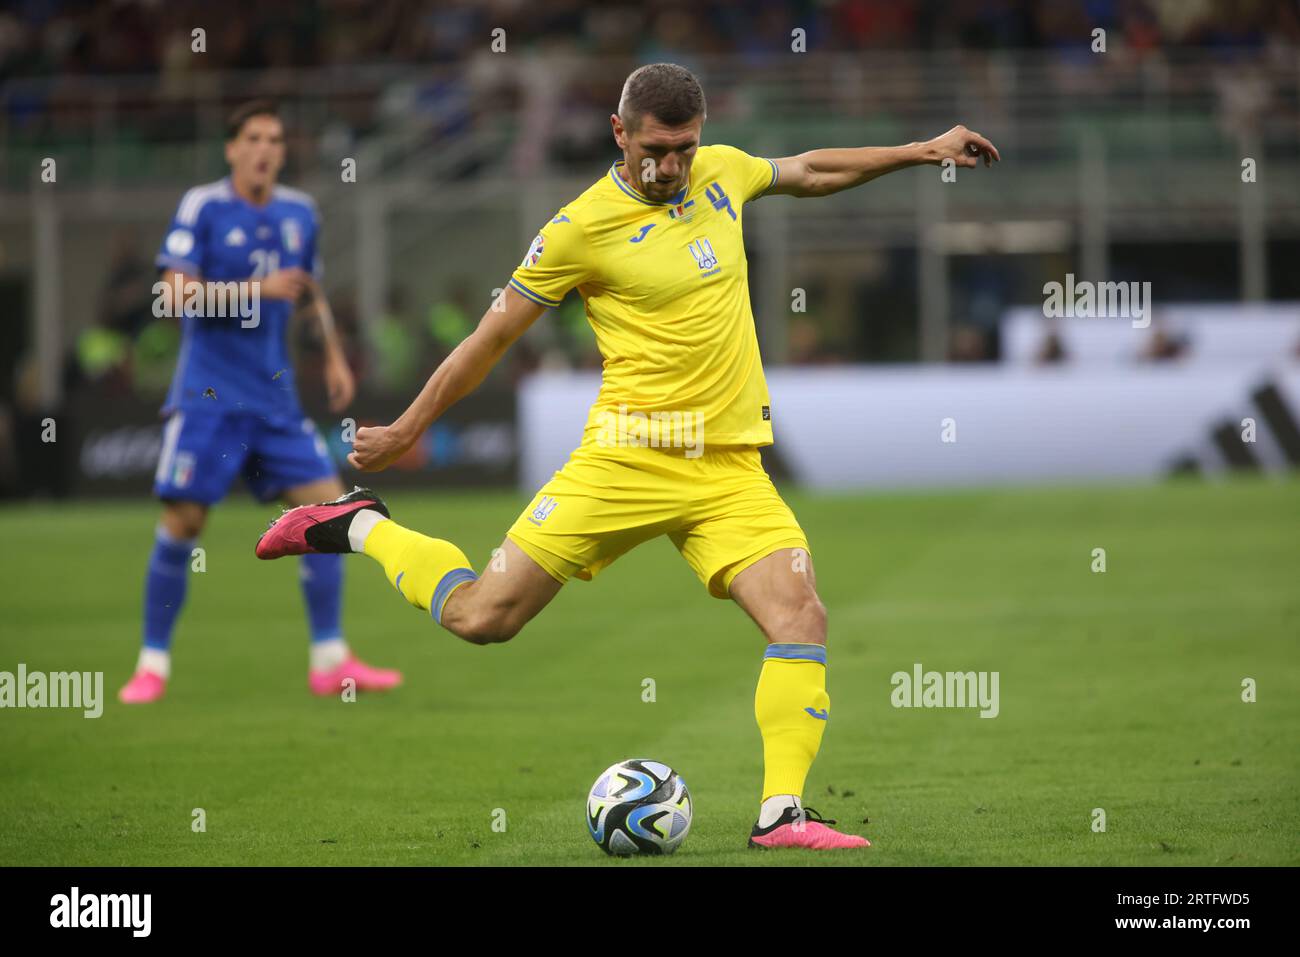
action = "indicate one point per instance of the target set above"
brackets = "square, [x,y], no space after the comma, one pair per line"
[246,111]
[668,92]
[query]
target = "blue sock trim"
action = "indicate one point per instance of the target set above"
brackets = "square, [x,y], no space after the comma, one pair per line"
[398,584]
[449,581]
[796,651]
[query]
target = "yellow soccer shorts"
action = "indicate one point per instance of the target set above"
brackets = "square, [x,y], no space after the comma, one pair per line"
[720,509]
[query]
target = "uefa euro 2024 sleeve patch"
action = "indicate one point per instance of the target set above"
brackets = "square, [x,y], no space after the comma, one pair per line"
[534,255]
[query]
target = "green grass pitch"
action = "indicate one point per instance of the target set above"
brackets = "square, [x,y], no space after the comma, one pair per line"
[1119,691]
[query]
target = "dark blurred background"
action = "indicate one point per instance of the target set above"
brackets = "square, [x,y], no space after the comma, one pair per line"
[1117,165]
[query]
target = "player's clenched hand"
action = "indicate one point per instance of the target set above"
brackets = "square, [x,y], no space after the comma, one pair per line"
[964,147]
[285,284]
[376,447]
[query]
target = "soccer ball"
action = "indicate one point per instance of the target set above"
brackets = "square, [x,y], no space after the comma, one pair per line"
[639,807]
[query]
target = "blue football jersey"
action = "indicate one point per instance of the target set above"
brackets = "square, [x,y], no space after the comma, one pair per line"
[218,236]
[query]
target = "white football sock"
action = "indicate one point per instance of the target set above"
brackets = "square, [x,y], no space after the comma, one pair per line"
[362,522]
[329,654]
[774,807]
[155,660]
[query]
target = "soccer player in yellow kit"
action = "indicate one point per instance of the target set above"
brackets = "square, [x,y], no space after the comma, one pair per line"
[656,251]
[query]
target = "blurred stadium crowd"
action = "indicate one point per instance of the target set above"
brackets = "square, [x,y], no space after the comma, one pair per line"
[268,44]
[116,91]
[69,37]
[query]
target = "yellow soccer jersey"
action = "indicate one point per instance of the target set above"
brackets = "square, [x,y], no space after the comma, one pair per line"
[667,291]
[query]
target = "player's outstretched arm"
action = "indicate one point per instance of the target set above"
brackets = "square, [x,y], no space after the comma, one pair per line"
[460,373]
[822,172]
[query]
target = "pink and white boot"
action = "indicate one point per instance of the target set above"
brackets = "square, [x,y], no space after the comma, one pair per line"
[803,827]
[331,681]
[144,687]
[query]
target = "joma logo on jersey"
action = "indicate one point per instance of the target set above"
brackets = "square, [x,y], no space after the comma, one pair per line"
[543,510]
[705,258]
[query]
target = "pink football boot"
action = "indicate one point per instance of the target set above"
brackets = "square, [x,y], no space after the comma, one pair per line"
[804,828]
[311,529]
[144,687]
[366,678]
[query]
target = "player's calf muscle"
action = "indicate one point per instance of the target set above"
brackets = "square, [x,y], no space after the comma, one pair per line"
[473,616]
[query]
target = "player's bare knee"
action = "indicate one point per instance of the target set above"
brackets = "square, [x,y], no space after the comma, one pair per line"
[506,629]
[183,520]
[812,618]
[802,619]
[466,625]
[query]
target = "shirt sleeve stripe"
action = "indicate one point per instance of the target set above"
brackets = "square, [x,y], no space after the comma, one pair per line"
[527,293]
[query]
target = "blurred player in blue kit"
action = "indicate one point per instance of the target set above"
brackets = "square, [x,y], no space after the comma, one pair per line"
[232,409]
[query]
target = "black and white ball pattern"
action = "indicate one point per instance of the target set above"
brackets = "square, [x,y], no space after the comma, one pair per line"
[639,807]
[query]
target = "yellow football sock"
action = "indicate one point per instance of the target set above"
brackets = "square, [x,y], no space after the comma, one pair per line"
[424,570]
[792,708]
